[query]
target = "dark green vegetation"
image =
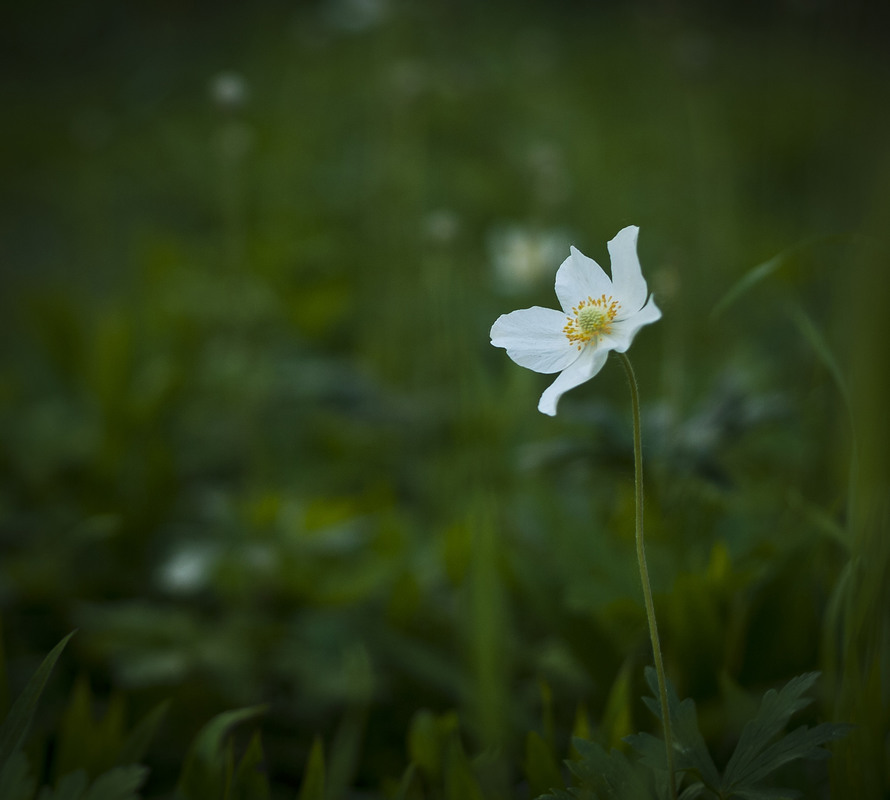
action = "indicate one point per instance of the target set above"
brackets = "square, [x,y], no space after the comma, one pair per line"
[255,446]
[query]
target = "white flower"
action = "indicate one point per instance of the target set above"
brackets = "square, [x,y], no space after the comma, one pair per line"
[521,256]
[598,315]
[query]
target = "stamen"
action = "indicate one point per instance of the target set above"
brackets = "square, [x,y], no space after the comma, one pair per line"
[592,319]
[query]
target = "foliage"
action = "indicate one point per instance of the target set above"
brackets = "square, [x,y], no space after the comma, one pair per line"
[16,782]
[439,767]
[763,749]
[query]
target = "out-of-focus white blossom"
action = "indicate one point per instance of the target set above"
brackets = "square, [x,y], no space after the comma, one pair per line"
[521,257]
[229,91]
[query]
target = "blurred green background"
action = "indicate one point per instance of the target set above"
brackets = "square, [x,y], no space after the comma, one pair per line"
[255,444]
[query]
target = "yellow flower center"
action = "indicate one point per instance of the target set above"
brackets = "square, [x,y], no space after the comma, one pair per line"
[592,319]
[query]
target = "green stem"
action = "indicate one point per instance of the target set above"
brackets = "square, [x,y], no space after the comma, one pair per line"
[644,571]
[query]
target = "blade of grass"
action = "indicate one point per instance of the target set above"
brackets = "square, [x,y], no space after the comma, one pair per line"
[15,727]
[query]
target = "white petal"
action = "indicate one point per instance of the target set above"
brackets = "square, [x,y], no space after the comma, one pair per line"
[578,278]
[627,276]
[583,369]
[624,330]
[533,338]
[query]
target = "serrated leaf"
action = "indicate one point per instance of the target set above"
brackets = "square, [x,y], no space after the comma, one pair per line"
[541,768]
[609,775]
[204,772]
[136,744]
[15,727]
[312,787]
[250,781]
[775,710]
[16,782]
[690,751]
[651,749]
[803,742]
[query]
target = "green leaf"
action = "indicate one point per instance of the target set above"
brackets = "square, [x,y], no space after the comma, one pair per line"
[766,793]
[775,710]
[581,727]
[15,727]
[74,735]
[347,742]
[541,768]
[547,711]
[204,773]
[651,749]
[427,738]
[410,786]
[759,753]
[693,791]
[345,750]
[424,746]
[611,776]
[84,742]
[616,722]
[817,341]
[460,782]
[769,267]
[749,280]
[16,782]
[690,751]
[4,685]
[313,778]
[813,335]
[133,749]
[563,794]
[250,781]
[69,787]
[120,783]
[228,768]
[803,742]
